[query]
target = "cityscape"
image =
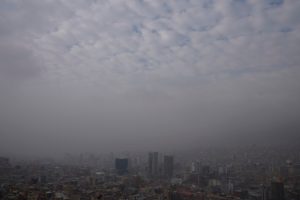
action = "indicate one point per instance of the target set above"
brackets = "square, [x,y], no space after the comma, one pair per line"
[149,100]
[250,173]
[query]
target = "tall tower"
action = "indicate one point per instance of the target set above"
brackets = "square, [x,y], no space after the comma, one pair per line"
[153,164]
[121,165]
[150,161]
[168,166]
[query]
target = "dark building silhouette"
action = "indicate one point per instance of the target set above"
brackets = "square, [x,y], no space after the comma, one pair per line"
[4,165]
[121,165]
[277,190]
[168,166]
[175,196]
[205,170]
[153,164]
[264,193]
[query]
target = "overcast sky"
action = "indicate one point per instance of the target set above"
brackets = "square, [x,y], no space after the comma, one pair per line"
[93,75]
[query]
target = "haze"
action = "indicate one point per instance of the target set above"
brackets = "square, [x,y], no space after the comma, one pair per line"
[91,75]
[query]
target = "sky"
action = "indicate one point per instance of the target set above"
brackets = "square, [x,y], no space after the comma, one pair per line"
[94,76]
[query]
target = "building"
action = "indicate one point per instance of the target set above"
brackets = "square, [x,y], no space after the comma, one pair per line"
[264,192]
[4,165]
[168,166]
[153,164]
[205,170]
[121,166]
[277,190]
[195,167]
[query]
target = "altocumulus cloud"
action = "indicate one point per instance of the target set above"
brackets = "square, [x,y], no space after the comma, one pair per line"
[148,70]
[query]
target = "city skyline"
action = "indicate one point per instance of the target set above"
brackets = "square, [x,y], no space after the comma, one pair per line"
[149,99]
[249,173]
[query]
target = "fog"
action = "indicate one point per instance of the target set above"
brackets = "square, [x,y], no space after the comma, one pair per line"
[93,76]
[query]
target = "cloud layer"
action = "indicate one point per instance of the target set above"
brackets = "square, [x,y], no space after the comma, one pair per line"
[148,70]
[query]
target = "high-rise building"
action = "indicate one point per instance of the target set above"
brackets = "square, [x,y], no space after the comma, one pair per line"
[195,167]
[153,164]
[121,165]
[264,192]
[277,190]
[205,170]
[4,165]
[150,161]
[168,166]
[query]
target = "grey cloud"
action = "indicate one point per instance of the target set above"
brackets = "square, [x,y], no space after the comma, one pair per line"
[17,62]
[179,72]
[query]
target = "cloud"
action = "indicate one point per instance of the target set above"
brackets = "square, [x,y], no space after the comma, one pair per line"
[208,68]
[17,62]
